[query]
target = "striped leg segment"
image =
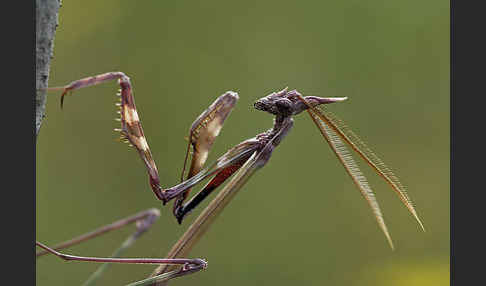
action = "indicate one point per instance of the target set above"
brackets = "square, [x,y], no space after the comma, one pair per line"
[202,135]
[203,132]
[131,129]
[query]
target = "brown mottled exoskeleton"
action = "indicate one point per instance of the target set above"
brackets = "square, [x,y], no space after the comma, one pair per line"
[241,160]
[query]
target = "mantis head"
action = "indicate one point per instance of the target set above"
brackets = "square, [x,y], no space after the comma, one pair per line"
[287,103]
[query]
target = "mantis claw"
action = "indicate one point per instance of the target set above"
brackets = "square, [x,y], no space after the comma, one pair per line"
[195,265]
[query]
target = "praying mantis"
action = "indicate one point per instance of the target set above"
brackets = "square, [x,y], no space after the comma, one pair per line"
[240,162]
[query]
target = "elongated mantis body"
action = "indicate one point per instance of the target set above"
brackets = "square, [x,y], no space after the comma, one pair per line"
[241,161]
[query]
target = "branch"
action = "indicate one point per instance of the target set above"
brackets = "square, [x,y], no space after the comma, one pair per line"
[46,15]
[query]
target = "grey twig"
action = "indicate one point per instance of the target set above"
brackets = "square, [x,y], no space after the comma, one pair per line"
[46,13]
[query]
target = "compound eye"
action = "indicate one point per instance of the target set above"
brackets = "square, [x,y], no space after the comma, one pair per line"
[284,106]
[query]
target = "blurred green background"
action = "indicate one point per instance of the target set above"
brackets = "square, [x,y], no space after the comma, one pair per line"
[298,220]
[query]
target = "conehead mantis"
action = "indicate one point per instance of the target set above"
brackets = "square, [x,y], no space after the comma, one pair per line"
[240,161]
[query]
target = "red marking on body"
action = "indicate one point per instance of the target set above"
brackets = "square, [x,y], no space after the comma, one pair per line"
[223,175]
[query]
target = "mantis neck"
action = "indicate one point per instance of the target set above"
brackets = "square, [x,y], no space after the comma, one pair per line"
[281,127]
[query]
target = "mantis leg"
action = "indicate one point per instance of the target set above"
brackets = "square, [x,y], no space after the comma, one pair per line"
[182,210]
[202,134]
[203,131]
[143,220]
[131,129]
[188,265]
